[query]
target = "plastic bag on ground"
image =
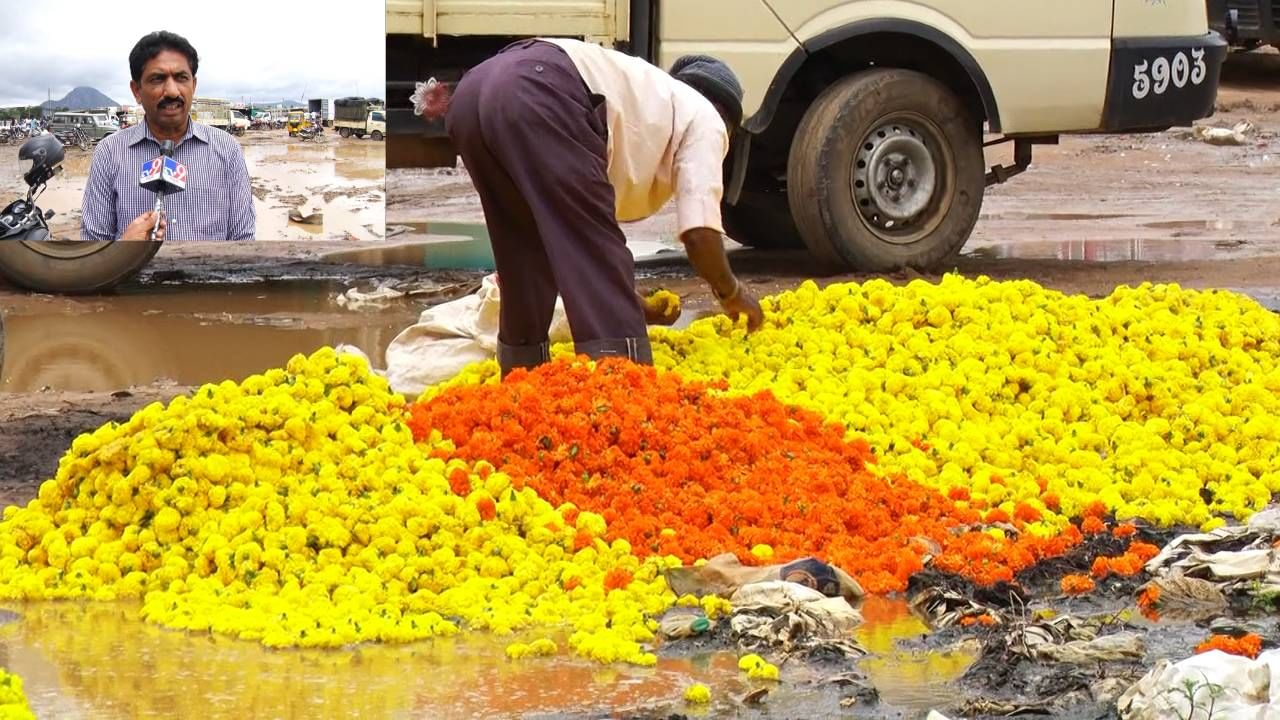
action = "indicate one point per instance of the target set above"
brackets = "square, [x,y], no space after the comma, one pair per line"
[451,336]
[794,619]
[1210,684]
[723,574]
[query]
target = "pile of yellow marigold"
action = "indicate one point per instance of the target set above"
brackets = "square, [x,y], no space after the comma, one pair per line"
[295,508]
[13,701]
[1141,399]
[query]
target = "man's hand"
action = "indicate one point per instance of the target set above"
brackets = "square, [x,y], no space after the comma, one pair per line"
[660,308]
[140,228]
[741,303]
[706,253]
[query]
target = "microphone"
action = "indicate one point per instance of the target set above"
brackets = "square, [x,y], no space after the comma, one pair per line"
[163,175]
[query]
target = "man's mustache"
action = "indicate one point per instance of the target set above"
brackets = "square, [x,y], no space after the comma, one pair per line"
[171,102]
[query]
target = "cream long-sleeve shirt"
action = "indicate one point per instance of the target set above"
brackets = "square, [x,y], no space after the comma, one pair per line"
[665,138]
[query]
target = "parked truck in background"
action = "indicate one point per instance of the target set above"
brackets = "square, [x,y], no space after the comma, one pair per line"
[360,116]
[213,112]
[322,108]
[865,120]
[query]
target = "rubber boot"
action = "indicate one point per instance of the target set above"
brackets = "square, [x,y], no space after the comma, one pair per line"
[635,349]
[529,357]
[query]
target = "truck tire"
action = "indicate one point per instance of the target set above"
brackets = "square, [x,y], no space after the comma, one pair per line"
[761,220]
[72,267]
[886,172]
[376,135]
[344,132]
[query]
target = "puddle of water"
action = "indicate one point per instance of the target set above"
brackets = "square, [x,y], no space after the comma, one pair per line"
[1102,251]
[466,246]
[97,660]
[190,336]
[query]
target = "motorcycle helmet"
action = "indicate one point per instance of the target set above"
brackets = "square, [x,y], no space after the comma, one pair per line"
[45,153]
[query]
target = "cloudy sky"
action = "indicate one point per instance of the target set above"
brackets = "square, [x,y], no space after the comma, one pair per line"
[263,50]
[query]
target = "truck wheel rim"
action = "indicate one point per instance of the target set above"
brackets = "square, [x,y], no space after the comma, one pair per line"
[900,178]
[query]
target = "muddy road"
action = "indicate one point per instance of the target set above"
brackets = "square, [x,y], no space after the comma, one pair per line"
[341,179]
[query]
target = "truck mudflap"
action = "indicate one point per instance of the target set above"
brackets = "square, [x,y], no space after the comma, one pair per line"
[1162,82]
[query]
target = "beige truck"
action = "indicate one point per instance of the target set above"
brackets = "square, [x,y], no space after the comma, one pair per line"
[212,112]
[866,120]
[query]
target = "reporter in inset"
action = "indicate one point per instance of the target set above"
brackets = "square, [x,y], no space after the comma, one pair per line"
[218,201]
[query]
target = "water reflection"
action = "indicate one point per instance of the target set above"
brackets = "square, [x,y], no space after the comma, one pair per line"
[97,660]
[190,336]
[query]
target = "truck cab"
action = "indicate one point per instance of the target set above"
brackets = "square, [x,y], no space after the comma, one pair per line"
[359,117]
[865,120]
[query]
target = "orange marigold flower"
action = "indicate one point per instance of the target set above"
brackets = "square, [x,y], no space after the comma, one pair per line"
[1093,526]
[488,510]
[617,579]
[1026,513]
[1101,567]
[1143,551]
[1077,584]
[1126,565]
[1124,530]
[1096,509]
[650,451]
[572,584]
[997,516]
[460,482]
[1051,501]
[1149,598]
[1247,645]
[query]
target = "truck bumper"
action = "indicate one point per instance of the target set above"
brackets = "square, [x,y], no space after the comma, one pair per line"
[1162,82]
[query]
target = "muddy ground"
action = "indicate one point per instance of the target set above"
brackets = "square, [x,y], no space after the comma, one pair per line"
[342,179]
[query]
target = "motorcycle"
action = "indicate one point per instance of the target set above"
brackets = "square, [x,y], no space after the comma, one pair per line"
[74,136]
[23,219]
[40,262]
[314,133]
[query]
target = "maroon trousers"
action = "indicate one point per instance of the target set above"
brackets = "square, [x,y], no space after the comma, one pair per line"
[535,142]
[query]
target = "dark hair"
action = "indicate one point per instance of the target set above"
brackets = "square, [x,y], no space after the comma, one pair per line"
[151,45]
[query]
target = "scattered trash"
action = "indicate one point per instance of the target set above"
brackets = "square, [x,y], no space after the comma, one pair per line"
[1233,557]
[381,296]
[1121,646]
[793,619]
[315,218]
[723,574]
[1182,598]
[942,608]
[1238,134]
[1213,684]
[682,625]
[451,336]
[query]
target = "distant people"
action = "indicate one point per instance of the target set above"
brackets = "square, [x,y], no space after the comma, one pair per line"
[218,201]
